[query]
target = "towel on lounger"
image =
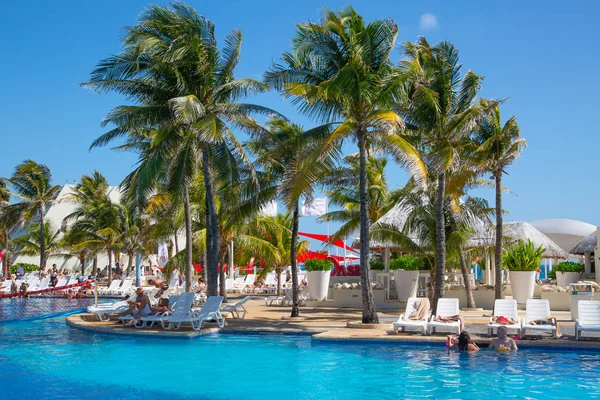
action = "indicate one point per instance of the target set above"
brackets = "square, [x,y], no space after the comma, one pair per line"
[421,309]
[451,318]
[503,320]
[548,321]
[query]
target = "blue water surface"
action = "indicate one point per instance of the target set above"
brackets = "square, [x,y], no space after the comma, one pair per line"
[47,359]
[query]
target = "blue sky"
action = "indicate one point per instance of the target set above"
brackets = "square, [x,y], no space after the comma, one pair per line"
[543,55]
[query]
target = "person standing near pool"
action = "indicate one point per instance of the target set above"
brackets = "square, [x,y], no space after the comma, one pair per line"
[503,342]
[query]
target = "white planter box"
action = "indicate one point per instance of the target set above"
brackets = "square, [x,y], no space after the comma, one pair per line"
[559,301]
[318,284]
[522,284]
[407,283]
[564,278]
[483,298]
[352,298]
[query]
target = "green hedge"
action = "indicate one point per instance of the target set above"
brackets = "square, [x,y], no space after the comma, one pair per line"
[566,266]
[26,267]
[408,263]
[377,265]
[317,265]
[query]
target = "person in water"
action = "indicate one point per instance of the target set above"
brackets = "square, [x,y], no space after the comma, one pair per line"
[503,342]
[463,343]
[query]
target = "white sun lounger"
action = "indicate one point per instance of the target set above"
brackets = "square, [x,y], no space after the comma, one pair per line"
[114,285]
[505,308]
[537,309]
[589,317]
[287,299]
[270,283]
[181,308]
[404,322]
[43,285]
[124,289]
[446,307]
[209,312]
[101,311]
[237,309]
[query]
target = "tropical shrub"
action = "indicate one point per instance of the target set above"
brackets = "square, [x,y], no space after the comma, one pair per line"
[522,256]
[317,265]
[26,268]
[377,265]
[566,266]
[407,263]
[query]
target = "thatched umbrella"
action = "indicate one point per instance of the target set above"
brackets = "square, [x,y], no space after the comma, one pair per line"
[521,230]
[587,245]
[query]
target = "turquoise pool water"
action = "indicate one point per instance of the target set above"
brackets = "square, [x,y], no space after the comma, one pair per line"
[46,359]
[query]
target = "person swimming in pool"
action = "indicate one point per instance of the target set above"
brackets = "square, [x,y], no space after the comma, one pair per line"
[464,342]
[503,342]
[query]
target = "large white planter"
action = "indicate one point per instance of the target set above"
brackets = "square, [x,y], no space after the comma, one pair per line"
[564,278]
[522,284]
[318,284]
[407,283]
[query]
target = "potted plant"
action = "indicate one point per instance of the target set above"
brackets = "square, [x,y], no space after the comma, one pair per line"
[522,260]
[406,275]
[317,276]
[566,272]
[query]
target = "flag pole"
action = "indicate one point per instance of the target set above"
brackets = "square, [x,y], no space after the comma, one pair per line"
[328,239]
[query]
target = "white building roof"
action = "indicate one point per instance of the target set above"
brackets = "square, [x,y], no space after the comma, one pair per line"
[564,226]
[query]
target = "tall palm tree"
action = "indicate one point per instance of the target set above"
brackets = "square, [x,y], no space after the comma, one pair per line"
[8,221]
[290,157]
[32,184]
[29,243]
[186,103]
[339,71]
[499,146]
[441,110]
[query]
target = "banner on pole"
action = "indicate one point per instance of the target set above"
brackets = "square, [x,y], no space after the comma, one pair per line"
[316,208]
[269,209]
[163,255]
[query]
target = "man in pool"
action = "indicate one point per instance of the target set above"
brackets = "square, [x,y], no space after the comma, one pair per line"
[503,342]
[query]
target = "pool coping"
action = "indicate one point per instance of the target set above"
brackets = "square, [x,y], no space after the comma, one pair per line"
[340,335]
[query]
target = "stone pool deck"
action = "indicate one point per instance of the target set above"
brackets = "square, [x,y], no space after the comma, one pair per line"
[332,324]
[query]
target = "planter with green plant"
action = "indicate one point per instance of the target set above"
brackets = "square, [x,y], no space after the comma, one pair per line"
[377,265]
[406,275]
[522,260]
[566,272]
[317,277]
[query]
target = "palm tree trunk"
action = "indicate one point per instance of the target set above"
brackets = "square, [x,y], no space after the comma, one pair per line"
[95,267]
[212,228]
[440,245]
[6,258]
[129,263]
[82,261]
[188,238]
[498,255]
[109,268]
[176,243]
[465,273]
[222,290]
[294,264]
[369,312]
[42,238]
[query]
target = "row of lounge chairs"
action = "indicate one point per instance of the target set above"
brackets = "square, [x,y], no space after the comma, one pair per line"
[34,282]
[247,283]
[535,310]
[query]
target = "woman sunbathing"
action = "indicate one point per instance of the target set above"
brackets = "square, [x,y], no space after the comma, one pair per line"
[464,342]
[163,305]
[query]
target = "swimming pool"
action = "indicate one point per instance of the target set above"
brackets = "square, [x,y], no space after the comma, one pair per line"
[47,359]
[35,307]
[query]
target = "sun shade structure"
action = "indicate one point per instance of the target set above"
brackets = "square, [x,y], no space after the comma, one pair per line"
[326,238]
[586,245]
[521,230]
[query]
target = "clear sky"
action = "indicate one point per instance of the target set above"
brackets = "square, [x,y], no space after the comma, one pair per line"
[543,55]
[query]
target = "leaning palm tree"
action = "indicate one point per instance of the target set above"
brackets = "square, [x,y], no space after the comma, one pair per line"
[290,157]
[499,146]
[339,71]
[28,244]
[32,184]
[186,99]
[441,111]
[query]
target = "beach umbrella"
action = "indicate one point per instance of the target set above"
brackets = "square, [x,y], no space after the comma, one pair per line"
[586,245]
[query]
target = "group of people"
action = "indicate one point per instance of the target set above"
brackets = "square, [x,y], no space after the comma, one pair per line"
[141,306]
[465,343]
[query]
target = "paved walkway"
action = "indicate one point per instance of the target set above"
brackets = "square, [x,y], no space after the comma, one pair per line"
[332,324]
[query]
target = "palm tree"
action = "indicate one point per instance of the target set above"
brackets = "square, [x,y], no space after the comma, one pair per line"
[290,157]
[441,111]
[499,146]
[344,192]
[339,71]
[8,221]
[137,235]
[31,183]
[29,243]
[186,97]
